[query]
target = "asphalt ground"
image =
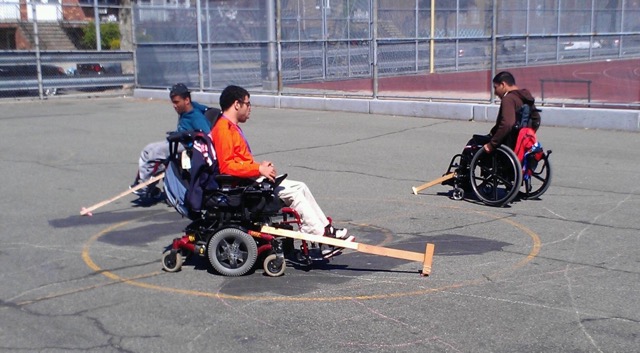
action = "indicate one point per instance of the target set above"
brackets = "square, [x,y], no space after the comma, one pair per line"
[560,274]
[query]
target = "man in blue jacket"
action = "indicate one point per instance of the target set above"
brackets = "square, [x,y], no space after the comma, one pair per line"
[154,155]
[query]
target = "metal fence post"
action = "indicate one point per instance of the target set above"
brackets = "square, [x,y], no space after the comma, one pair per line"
[432,34]
[270,81]
[494,30]
[96,14]
[199,39]
[375,49]
[37,45]
[279,44]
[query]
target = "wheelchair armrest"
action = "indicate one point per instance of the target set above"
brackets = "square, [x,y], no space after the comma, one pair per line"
[226,179]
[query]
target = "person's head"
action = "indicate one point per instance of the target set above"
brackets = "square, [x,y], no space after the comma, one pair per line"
[235,103]
[181,98]
[503,82]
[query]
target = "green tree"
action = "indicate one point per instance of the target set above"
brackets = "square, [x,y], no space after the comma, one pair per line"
[109,35]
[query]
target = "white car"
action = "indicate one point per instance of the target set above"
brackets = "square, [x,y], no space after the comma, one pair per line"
[581,45]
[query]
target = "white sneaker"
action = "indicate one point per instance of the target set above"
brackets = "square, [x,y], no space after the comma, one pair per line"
[331,252]
[340,233]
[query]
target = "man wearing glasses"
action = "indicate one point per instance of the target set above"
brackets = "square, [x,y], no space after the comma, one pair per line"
[235,158]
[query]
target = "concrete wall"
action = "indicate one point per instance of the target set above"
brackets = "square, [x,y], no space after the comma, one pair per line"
[585,118]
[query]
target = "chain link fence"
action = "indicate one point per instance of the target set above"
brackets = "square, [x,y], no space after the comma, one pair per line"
[51,47]
[577,52]
[418,49]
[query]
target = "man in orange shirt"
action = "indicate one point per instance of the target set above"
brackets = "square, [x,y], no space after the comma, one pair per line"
[235,158]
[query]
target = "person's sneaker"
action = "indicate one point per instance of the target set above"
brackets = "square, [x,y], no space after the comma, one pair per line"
[331,252]
[155,193]
[338,233]
[139,192]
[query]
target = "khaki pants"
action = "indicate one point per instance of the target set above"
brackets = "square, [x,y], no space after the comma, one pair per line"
[296,194]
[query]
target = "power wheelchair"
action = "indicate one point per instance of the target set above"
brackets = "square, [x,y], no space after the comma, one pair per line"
[227,214]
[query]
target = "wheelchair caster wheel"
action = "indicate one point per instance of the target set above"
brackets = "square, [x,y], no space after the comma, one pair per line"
[274,266]
[172,261]
[458,194]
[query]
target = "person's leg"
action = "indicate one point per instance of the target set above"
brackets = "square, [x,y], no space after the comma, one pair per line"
[150,163]
[297,195]
[151,160]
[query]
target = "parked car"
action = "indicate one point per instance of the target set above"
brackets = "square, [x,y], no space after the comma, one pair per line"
[583,44]
[98,69]
[14,77]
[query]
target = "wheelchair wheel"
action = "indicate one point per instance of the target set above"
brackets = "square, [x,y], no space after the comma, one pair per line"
[172,261]
[539,180]
[232,252]
[495,177]
[457,194]
[273,266]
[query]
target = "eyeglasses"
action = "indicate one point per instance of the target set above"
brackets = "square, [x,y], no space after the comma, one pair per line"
[247,103]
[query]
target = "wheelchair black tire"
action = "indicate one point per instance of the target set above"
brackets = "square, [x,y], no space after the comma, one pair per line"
[232,252]
[497,182]
[270,266]
[172,261]
[542,173]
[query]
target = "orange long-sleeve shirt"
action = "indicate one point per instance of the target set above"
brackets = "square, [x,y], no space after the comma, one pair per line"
[232,150]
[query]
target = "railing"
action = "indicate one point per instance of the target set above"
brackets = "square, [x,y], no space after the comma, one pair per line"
[19,70]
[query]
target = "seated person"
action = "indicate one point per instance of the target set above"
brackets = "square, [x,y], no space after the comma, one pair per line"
[190,117]
[511,100]
[235,158]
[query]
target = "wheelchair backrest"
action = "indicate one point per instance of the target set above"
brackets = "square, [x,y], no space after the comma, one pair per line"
[202,187]
[212,114]
[187,187]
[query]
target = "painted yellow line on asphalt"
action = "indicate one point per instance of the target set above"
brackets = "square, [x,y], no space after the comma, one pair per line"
[134,280]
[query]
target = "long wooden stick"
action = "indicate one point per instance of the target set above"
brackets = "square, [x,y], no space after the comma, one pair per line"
[426,258]
[417,189]
[86,211]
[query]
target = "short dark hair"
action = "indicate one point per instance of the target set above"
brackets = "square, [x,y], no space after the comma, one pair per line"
[506,77]
[231,94]
[180,89]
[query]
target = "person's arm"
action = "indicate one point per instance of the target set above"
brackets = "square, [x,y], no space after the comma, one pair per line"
[505,123]
[232,152]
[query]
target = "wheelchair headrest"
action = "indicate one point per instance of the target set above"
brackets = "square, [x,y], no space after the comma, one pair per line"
[184,137]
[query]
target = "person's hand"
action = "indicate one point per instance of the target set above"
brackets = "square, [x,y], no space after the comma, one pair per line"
[488,148]
[268,170]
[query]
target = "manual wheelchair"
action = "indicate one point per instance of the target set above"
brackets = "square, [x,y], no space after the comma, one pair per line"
[497,178]
[227,214]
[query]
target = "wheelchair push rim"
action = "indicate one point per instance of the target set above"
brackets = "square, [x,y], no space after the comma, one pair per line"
[495,177]
[538,180]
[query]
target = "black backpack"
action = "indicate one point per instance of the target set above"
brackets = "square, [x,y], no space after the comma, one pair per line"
[528,116]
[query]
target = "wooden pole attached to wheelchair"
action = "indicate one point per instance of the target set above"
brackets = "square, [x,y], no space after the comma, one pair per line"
[426,258]
[86,211]
[417,189]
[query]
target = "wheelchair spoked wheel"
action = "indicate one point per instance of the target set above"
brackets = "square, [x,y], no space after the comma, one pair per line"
[172,261]
[495,177]
[539,179]
[273,266]
[232,252]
